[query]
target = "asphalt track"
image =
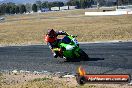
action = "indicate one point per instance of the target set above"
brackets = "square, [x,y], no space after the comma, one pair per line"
[104,58]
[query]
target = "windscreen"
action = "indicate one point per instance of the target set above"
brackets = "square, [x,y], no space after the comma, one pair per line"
[66,40]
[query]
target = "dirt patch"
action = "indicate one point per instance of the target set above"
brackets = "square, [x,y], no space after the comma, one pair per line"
[30,80]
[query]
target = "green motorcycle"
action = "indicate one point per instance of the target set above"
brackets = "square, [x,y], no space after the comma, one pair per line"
[71,50]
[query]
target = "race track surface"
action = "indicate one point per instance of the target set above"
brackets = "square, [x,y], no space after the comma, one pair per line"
[104,58]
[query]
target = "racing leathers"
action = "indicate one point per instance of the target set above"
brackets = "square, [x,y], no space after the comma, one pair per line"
[54,46]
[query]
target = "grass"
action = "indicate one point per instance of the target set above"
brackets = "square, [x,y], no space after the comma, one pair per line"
[1,79]
[40,79]
[39,83]
[43,81]
[29,29]
[15,81]
[49,83]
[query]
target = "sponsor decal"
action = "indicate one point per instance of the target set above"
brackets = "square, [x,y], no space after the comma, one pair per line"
[82,77]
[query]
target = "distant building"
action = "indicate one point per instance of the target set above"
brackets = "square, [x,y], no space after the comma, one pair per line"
[72,7]
[105,2]
[45,9]
[55,9]
[63,8]
[124,8]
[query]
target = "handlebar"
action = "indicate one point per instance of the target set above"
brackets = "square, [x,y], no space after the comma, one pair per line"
[73,35]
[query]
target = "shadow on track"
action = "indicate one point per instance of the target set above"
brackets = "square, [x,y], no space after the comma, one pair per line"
[90,59]
[95,59]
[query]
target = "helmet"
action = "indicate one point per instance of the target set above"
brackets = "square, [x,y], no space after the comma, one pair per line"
[51,33]
[50,39]
[51,36]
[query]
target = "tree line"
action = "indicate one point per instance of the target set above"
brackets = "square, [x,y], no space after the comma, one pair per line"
[12,8]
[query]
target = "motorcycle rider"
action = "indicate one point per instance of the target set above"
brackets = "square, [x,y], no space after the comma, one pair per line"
[52,41]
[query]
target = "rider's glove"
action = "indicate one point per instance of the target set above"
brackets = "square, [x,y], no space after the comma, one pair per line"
[56,49]
[73,35]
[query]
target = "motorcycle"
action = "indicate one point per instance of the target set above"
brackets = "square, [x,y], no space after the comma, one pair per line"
[71,50]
